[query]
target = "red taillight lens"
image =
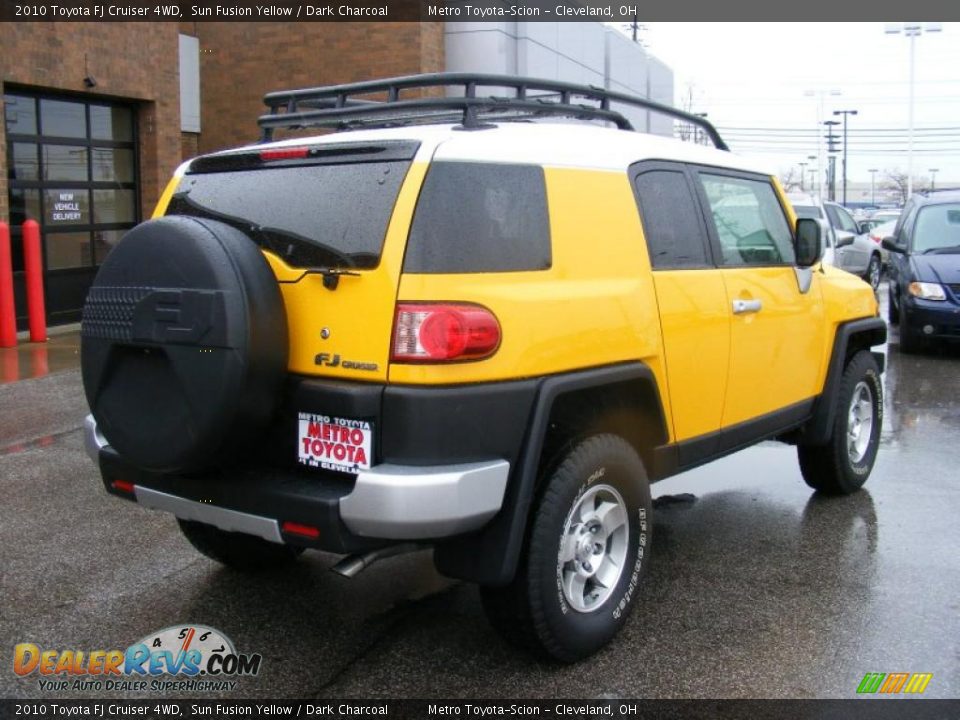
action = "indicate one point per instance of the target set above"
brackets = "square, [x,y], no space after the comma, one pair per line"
[877,239]
[444,332]
[123,486]
[307,531]
[290,153]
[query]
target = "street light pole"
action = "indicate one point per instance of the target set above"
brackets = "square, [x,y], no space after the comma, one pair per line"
[819,94]
[803,167]
[933,178]
[873,176]
[912,31]
[845,114]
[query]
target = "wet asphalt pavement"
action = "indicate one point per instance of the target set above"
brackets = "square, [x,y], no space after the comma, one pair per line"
[757,588]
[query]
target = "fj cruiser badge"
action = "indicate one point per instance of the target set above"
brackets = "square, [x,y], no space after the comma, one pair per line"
[328,360]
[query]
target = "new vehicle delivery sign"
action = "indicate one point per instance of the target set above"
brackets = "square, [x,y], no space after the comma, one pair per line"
[334,443]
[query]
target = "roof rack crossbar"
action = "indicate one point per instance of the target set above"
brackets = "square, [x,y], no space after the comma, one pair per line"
[328,115]
[335,105]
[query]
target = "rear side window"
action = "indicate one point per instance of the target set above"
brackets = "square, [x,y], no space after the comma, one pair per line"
[332,215]
[480,217]
[671,220]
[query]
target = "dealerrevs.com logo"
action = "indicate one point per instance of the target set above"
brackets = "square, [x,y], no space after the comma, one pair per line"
[180,657]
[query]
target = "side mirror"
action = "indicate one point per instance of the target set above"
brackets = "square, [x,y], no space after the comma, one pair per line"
[844,238]
[891,244]
[809,243]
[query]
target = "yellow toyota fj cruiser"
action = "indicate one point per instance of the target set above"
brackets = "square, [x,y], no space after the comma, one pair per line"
[448,326]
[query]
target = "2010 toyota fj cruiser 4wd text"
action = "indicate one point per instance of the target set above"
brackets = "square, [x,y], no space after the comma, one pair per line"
[441,326]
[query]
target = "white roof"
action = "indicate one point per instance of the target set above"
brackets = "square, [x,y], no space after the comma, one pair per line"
[578,145]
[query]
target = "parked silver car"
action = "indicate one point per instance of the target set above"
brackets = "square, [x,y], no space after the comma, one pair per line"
[848,247]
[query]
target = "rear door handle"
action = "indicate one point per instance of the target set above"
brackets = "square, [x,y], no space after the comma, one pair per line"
[746,306]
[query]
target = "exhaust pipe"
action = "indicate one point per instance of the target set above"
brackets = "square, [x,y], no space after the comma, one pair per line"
[351,565]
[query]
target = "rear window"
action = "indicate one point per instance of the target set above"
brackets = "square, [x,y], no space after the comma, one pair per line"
[326,215]
[480,217]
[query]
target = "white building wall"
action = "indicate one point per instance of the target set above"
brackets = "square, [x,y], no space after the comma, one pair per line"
[587,53]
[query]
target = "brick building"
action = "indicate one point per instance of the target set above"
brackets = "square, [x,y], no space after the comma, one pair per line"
[98,115]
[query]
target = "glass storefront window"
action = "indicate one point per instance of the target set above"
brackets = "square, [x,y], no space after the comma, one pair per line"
[104,241]
[24,205]
[22,164]
[66,207]
[61,118]
[111,123]
[112,165]
[113,206]
[68,250]
[65,162]
[20,115]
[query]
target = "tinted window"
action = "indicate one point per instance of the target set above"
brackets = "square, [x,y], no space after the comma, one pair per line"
[671,220]
[479,217]
[750,224]
[311,216]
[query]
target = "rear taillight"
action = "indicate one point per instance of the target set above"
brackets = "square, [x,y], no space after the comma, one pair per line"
[444,332]
[284,153]
[877,239]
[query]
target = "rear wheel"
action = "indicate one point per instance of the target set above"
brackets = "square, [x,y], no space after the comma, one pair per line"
[843,464]
[585,554]
[237,550]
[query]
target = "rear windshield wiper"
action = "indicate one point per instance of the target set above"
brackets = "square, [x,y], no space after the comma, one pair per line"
[331,276]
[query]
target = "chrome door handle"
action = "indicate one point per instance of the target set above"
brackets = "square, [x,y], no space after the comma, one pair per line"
[746,306]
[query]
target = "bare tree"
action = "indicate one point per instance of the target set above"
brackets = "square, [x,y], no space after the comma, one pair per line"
[790,179]
[895,182]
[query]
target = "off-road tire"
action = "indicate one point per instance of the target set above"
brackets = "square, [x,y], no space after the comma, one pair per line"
[533,611]
[238,550]
[830,468]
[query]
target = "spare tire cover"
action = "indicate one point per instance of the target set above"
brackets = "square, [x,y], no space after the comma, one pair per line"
[183,344]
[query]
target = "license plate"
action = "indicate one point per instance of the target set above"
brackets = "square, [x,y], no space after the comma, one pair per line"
[334,443]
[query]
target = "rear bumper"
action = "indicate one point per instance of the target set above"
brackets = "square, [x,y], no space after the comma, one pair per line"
[386,503]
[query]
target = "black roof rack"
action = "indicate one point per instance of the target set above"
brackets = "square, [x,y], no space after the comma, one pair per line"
[337,107]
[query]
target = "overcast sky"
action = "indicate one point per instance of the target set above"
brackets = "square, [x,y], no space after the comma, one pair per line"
[770,76]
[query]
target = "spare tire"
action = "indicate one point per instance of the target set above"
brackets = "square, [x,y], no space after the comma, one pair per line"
[183,344]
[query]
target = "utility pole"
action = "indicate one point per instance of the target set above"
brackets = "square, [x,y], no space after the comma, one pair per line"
[803,167]
[831,159]
[933,178]
[873,176]
[845,114]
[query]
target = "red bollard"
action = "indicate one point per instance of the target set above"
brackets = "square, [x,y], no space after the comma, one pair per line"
[8,315]
[33,266]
